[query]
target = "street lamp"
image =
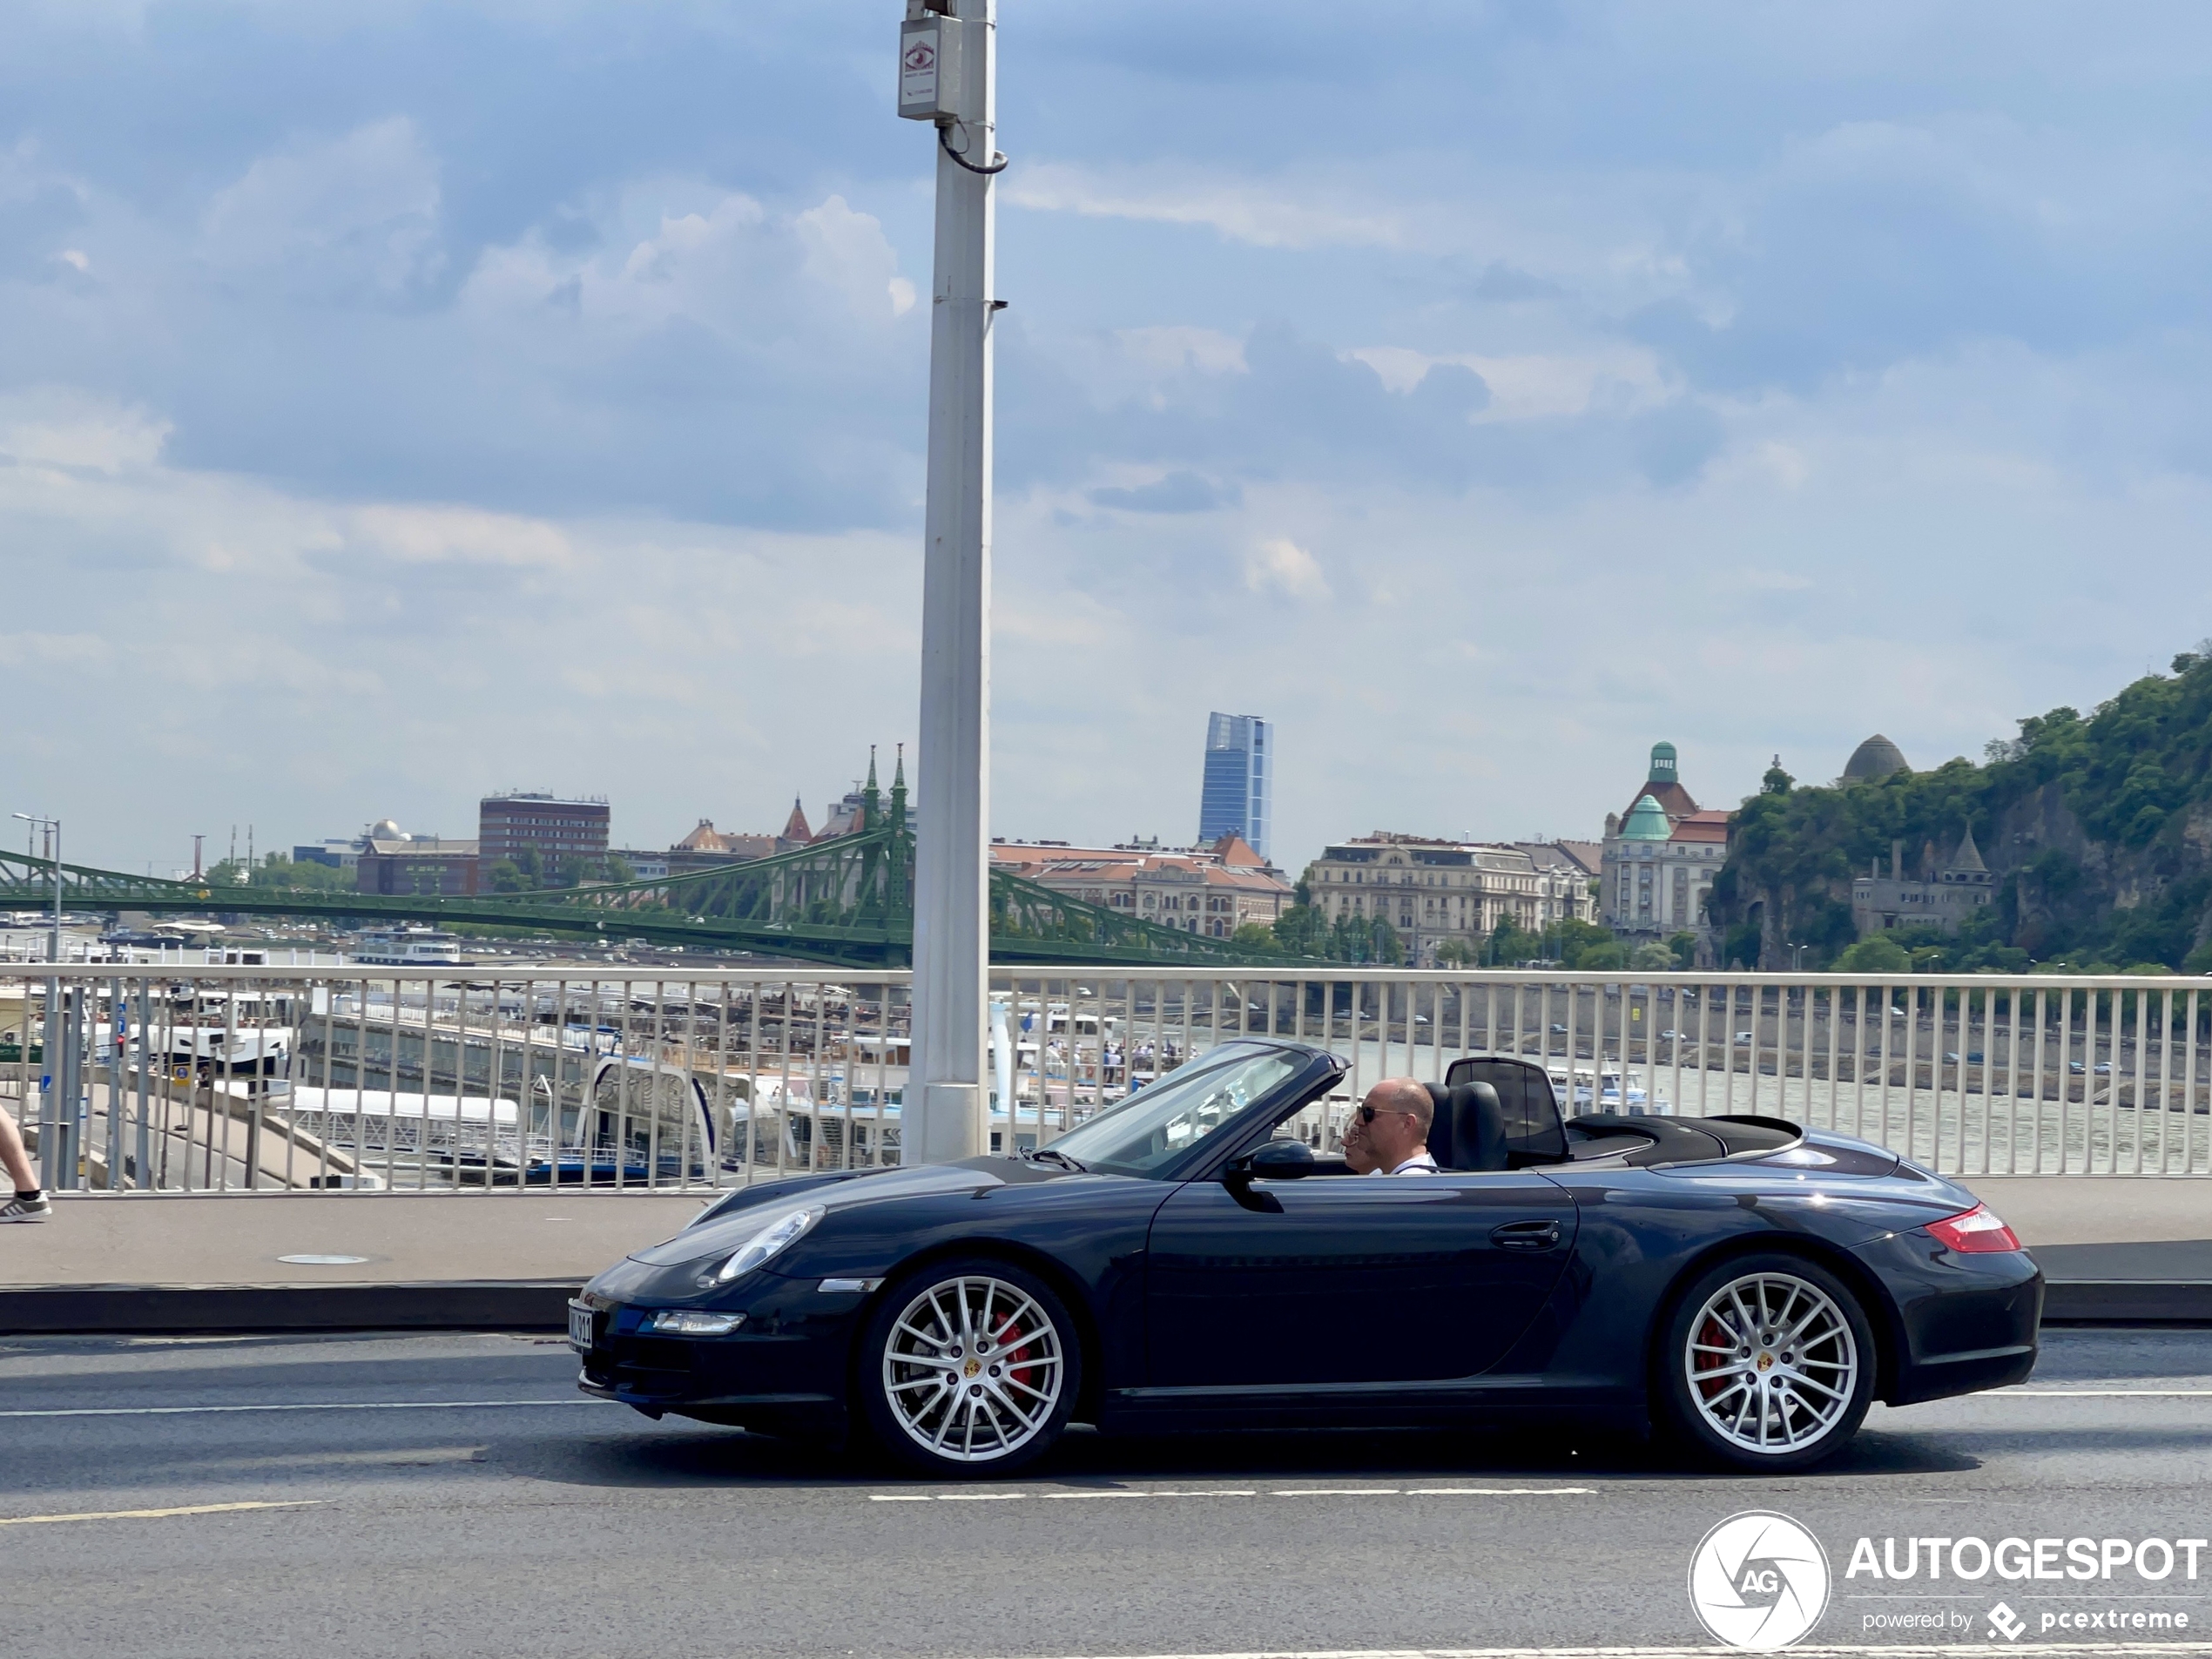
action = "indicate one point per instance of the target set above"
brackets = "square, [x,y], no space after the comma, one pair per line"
[948,77]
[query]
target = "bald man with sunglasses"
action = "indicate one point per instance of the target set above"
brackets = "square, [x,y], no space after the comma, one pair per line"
[1393,1123]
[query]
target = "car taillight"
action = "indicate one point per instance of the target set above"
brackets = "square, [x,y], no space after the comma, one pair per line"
[1976,1232]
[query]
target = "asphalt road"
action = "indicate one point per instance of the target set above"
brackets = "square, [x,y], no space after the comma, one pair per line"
[452,1495]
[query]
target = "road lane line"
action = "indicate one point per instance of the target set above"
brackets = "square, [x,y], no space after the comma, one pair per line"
[1222,1492]
[2097,1393]
[1502,1492]
[1899,1650]
[1337,1492]
[331,1406]
[156,1515]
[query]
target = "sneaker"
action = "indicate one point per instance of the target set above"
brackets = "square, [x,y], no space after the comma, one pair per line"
[38,1207]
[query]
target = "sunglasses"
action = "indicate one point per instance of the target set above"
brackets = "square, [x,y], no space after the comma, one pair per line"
[1367,1113]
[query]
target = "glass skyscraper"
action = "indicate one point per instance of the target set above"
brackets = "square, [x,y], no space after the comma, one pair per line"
[1238,783]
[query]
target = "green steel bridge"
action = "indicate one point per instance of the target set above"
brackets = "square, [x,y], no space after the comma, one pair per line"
[845,901]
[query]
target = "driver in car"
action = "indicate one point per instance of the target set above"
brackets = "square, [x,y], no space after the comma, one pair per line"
[1393,1123]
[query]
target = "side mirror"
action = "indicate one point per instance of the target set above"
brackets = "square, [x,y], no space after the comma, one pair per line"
[1276,1160]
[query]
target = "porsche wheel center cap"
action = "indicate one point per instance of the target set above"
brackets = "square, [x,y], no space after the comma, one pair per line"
[1766,1363]
[971,1367]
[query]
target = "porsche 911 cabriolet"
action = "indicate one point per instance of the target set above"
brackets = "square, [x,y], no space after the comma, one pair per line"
[1186,1260]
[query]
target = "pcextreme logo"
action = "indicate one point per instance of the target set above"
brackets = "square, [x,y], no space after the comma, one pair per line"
[1759,1581]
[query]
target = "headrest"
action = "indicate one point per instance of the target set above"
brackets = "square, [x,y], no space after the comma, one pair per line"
[1534,1131]
[1468,1131]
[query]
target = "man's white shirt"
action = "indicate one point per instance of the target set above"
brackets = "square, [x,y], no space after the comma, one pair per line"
[1420,1163]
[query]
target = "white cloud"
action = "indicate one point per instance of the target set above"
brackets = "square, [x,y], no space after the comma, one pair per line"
[1282,567]
[1171,347]
[1615,378]
[1263,213]
[60,427]
[671,251]
[358,212]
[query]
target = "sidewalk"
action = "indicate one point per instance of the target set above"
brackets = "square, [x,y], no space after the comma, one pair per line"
[476,1261]
[2119,1248]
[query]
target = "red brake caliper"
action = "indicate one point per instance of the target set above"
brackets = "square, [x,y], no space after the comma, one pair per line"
[1714,1334]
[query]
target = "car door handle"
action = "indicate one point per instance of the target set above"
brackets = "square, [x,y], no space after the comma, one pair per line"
[1526,1235]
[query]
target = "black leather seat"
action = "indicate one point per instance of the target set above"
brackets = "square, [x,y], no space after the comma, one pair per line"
[1468,1129]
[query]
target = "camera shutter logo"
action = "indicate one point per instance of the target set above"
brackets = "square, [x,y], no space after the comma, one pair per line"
[1759,1581]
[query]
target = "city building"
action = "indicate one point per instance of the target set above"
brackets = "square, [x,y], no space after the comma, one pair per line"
[1873,760]
[796,833]
[1432,891]
[1659,858]
[563,833]
[414,864]
[1212,890]
[1960,888]
[1238,788]
[706,846]
[337,852]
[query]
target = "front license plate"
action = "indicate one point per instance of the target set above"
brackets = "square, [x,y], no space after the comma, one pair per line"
[580,1326]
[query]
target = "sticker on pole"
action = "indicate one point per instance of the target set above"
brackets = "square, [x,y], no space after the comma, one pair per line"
[1759,1581]
[918,52]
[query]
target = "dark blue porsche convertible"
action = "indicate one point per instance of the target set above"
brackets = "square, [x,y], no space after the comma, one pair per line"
[1740,1284]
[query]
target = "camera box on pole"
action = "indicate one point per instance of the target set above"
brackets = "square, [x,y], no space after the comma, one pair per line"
[932,54]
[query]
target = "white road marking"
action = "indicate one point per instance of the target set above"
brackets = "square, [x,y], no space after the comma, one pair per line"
[156,1515]
[1220,1492]
[331,1406]
[1887,1650]
[2099,1393]
[1247,1492]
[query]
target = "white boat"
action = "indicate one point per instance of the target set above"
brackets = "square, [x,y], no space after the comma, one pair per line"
[410,947]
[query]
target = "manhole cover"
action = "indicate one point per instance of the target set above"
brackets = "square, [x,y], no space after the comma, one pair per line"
[323,1261]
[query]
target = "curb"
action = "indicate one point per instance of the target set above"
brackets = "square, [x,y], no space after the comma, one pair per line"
[214,1309]
[2126,1302]
[177,1310]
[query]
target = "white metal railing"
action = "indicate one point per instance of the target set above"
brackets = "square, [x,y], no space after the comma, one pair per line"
[496,1078]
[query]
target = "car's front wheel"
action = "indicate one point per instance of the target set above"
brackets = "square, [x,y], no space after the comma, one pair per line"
[970,1368]
[1766,1363]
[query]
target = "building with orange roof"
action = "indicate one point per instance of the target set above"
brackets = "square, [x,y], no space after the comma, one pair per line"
[1212,890]
[1659,857]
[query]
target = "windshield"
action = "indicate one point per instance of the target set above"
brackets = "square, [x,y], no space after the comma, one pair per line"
[1164,1121]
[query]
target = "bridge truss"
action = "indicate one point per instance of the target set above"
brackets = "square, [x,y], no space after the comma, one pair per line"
[848,900]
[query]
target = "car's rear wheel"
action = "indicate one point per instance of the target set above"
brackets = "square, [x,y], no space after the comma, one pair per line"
[970,1368]
[1766,1363]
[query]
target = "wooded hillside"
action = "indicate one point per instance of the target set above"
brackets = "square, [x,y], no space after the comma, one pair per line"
[2098,828]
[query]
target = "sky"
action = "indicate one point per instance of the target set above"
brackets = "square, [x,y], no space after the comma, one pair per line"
[402,402]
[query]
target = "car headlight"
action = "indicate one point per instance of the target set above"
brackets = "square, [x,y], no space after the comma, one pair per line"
[690,1322]
[778,1235]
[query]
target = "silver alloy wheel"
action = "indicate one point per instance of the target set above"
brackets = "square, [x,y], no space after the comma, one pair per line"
[1771,1363]
[973,1369]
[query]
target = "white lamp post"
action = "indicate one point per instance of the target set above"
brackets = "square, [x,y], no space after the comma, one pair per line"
[946,77]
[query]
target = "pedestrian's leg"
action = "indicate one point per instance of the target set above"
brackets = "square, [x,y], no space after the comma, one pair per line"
[26,1203]
[14,1158]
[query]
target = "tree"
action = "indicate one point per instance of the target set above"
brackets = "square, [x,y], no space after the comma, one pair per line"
[1388,949]
[1457,952]
[1684,947]
[1302,931]
[277,870]
[1253,937]
[1603,958]
[1652,955]
[1876,954]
